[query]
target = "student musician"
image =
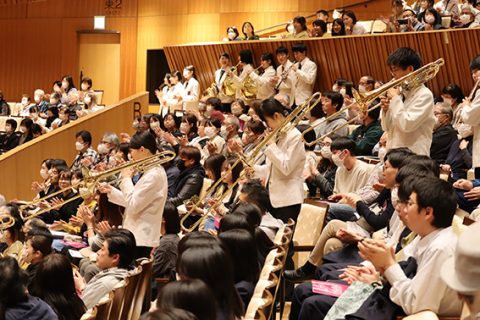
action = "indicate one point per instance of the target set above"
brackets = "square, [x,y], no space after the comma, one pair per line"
[245,59]
[174,98]
[285,86]
[265,87]
[191,89]
[220,76]
[305,72]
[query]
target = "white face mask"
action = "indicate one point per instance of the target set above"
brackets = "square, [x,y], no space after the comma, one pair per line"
[37,99]
[23,129]
[291,28]
[246,139]
[464,130]
[135,125]
[326,152]
[362,89]
[112,161]
[8,129]
[79,146]
[437,124]
[224,131]
[102,148]
[343,91]
[87,100]
[53,101]
[335,88]
[210,108]
[210,132]
[184,127]
[465,18]
[231,35]
[429,19]
[3,236]
[381,153]
[44,173]
[62,117]
[337,160]
[394,194]
[381,177]
[236,110]
[448,101]
[84,87]
[154,125]
[65,85]
[24,102]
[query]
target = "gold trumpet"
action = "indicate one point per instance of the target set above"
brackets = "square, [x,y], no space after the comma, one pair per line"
[291,120]
[91,181]
[364,100]
[249,87]
[6,221]
[229,88]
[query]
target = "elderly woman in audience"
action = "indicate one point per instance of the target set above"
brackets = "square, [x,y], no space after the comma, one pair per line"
[249,31]
[453,96]
[232,34]
[55,100]
[55,285]
[338,28]
[12,236]
[468,18]
[73,103]
[106,149]
[300,28]
[67,88]
[16,302]
[40,103]
[351,26]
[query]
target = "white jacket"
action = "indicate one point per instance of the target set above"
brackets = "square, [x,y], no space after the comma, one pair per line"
[410,123]
[471,116]
[265,88]
[306,77]
[288,84]
[239,79]
[219,82]
[283,170]
[144,204]
[190,94]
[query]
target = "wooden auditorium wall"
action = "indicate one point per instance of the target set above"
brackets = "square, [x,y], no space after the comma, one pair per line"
[21,166]
[348,57]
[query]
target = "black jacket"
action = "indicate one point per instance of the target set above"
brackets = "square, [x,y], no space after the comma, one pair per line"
[442,140]
[8,143]
[189,183]
[4,108]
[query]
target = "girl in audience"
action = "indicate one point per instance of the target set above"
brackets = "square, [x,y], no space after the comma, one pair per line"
[13,236]
[213,265]
[239,110]
[338,28]
[35,116]
[45,174]
[232,34]
[424,5]
[188,128]
[191,295]
[214,109]
[170,125]
[54,284]
[216,143]
[351,26]
[249,31]
[86,87]
[37,247]
[201,141]
[25,128]
[191,91]
[453,96]
[64,116]
[243,250]
[89,104]
[300,28]
[155,124]
[52,114]
[67,87]
[430,20]
[173,101]
[15,301]
[63,212]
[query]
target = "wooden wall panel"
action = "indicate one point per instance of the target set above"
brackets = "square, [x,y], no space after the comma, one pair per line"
[21,166]
[348,57]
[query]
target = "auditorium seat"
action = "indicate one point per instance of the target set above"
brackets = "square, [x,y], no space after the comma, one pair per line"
[104,307]
[144,288]
[118,299]
[90,314]
[98,95]
[379,26]
[367,24]
[133,283]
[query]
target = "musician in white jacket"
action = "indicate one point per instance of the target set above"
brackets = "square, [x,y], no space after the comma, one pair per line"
[286,85]
[142,195]
[191,89]
[174,97]
[265,87]
[471,115]
[407,116]
[245,61]
[305,72]
[220,76]
[285,159]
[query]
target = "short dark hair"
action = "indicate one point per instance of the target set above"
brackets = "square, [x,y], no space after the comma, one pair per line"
[172,219]
[13,123]
[191,152]
[299,47]
[169,314]
[224,54]
[246,56]
[214,122]
[215,102]
[423,160]
[344,143]
[397,156]
[269,107]
[268,56]
[190,119]
[336,98]
[438,194]
[122,242]
[282,49]
[302,21]
[234,30]
[325,13]
[144,139]
[257,194]
[13,282]
[321,24]
[317,111]
[412,170]
[308,137]
[87,81]
[454,90]
[404,57]
[475,64]
[350,14]
[41,242]
[374,113]
[86,136]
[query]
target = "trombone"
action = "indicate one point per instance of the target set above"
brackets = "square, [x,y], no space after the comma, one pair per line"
[91,181]
[364,100]
[6,221]
[291,120]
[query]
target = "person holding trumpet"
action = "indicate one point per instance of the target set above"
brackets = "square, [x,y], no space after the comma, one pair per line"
[285,80]
[265,87]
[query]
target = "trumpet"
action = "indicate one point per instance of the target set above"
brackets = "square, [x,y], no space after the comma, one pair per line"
[229,88]
[91,181]
[291,120]
[249,87]
[364,100]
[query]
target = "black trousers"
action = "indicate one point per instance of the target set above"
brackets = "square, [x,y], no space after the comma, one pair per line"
[285,213]
[477,173]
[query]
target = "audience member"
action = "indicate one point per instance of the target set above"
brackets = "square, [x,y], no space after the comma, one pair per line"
[453,96]
[443,133]
[459,158]
[66,88]
[368,133]
[9,140]
[4,107]
[249,32]
[299,28]
[338,28]
[332,102]
[85,150]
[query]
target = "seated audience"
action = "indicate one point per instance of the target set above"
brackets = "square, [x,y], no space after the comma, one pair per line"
[229,129]
[4,107]
[425,5]
[214,108]
[25,129]
[351,26]
[37,247]
[67,88]
[85,150]
[64,116]
[52,117]
[217,142]
[459,158]
[413,24]
[86,88]
[391,22]
[332,102]
[320,29]
[448,8]
[453,96]
[232,34]
[468,17]
[443,133]
[12,236]
[9,140]
[40,103]
[430,20]
[368,133]
[249,32]
[299,28]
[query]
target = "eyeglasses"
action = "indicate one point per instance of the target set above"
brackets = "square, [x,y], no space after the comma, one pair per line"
[325,144]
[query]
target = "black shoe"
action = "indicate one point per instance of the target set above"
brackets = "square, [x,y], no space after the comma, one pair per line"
[297,275]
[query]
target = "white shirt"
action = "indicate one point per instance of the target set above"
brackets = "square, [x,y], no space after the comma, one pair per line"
[410,123]
[144,204]
[471,116]
[219,81]
[347,181]
[239,79]
[287,85]
[265,88]
[305,80]
[177,90]
[426,291]
[190,94]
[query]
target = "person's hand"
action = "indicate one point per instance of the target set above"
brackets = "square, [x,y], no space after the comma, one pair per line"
[37,187]
[446,167]
[43,115]
[310,33]
[86,215]
[182,141]
[57,225]
[378,186]
[80,113]
[384,103]
[463,184]
[127,173]
[44,204]
[75,221]
[213,232]
[86,161]
[365,274]
[378,253]
[393,92]
[336,197]
[170,138]
[157,92]
[466,102]
[211,202]
[313,169]
[352,199]
[385,20]
[54,125]
[463,144]
[274,80]
[473,194]
[195,113]
[56,203]
[230,73]
[106,188]
[101,166]
[103,227]
[349,101]
[428,27]
[211,147]
[125,137]
[234,146]
[347,236]
[79,281]
[293,67]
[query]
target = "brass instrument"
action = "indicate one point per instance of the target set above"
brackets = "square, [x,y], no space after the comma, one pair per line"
[6,221]
[291,120]
[229,88]
[364,100]
[249,87]
[211,91]
[91,181]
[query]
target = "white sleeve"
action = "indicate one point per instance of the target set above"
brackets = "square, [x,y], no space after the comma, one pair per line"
[471,113]
[287,160]
[308,75]
[411,118]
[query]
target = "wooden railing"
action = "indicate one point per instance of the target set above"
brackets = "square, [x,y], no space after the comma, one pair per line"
[349,57]
[21,166]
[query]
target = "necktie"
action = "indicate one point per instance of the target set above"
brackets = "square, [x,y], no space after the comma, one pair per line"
[299,66]
[283,68]
[221,74]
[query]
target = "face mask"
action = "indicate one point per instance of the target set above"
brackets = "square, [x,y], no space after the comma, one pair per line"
[181,164]
[102,148]
[210,108]
[464,130]
[112,161]
[335,88]
[237,110]
[210,132]
[65,85]
[135,125]
[79,146]
[343,91]
[224,131]
[246,139]
[34,116]
[326,152]
[3,236]
[62,117]
[8,129]
[465,18]
[83,190]
[429,19]
[87,100]
[448,101]
[154,125]
[186,74]
[23,129]
[231,35]
[129,157]
[24,102]
[337,160]
[184,128]
[44,173]
[362,89]
[290,29]
[84,87]
[381,153]
[37,99]
[437,124]
[53,101]
[394,195]
[381,177]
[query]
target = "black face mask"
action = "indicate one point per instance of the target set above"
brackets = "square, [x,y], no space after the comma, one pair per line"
[181,164]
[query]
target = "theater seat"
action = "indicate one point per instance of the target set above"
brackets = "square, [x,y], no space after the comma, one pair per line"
[104,307]
[90,314]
